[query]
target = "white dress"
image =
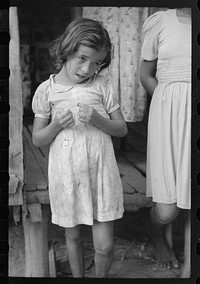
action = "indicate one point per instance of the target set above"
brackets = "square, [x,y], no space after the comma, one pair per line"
[169,126]
[84,180]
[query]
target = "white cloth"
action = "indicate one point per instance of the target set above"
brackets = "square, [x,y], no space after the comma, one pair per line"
[84,180]
[169,126]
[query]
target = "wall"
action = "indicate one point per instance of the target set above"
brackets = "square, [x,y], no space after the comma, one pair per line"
[38,26]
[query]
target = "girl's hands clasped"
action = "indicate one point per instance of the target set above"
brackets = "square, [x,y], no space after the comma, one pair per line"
[64,118]
[87,114]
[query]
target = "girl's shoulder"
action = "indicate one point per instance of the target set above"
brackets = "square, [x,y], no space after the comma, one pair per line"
[40,102]
[104,86]
[103,81]
[44,86]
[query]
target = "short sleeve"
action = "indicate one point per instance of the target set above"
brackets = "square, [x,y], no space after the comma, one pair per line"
[40,104]
[151,29]
[110,98]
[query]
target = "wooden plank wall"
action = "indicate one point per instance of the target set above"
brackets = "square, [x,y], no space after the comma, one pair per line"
[16,170]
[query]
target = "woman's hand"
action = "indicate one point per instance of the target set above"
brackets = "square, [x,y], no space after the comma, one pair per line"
[64,119]
[87,114]
[148,75]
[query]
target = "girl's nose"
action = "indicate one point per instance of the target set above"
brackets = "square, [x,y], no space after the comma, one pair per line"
[85,68]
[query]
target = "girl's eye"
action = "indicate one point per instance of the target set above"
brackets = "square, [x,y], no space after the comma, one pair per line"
[81,59]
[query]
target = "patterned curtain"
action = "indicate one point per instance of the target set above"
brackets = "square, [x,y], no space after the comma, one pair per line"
[124,25]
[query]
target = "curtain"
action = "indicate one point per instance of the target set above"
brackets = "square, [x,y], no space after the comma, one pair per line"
[124,25]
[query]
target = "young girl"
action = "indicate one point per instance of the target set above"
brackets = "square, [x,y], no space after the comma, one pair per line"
[76,112]
[166,74]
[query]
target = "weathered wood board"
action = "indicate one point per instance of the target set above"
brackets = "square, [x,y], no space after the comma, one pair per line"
[16,170]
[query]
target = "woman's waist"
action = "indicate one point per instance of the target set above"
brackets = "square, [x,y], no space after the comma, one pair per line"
[170,74]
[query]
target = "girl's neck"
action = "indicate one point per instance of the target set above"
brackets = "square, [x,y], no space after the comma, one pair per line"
[61,78]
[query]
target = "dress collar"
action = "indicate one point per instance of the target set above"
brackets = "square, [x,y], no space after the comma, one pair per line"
[62,88]
[58,87]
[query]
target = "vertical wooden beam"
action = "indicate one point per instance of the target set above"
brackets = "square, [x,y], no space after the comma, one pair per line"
[16,108]
[36,245]
[4,145]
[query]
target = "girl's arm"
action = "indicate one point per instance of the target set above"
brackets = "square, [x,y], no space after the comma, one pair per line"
[116,126]
[44,132]
[147,75]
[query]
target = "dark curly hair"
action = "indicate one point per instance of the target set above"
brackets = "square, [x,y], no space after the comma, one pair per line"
[83,31]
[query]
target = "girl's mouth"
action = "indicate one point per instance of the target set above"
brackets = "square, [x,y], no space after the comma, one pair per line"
[81,76]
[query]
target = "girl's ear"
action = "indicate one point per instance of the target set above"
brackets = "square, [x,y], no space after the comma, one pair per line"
[100,68]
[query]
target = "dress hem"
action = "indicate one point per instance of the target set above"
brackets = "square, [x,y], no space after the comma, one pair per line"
[84,222]
[179,205]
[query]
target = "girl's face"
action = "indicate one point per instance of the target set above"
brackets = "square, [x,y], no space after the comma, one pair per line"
[83,64]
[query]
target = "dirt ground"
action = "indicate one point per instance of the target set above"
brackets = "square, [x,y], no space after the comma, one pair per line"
[134,256]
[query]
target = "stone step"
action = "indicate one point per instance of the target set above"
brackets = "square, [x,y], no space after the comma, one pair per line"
[131,176]
[132,168]
[133,202]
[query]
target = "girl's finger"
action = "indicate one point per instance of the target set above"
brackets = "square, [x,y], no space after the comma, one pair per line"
[69,124]
[67,112]
[81,117]
[83,107]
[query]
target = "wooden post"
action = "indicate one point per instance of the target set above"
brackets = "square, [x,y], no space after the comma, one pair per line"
[16,167]
[36,245]
[35,222]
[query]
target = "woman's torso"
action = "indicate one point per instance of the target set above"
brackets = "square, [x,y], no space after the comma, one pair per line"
[174,49]
[174,40]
